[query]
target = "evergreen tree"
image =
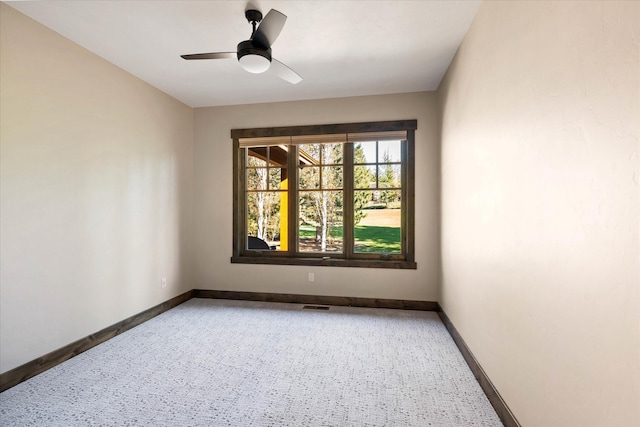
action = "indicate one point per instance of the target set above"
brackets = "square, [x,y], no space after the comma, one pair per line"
[388,179]
[362,178]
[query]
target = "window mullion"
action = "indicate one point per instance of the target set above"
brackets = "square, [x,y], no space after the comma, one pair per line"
[347,203]
[408,192]
[292,189]
[239,200]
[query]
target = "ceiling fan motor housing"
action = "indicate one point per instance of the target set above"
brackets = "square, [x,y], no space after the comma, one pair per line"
[252,58]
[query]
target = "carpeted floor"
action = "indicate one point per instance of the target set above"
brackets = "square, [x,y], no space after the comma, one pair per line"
[235,363]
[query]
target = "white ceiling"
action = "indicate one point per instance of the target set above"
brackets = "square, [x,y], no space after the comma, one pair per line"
[341,48]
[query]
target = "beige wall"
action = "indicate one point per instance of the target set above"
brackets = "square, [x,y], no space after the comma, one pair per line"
[213,200]
[540,207]
[96,178]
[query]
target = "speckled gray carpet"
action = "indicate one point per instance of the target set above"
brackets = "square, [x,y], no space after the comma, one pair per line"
[235,363]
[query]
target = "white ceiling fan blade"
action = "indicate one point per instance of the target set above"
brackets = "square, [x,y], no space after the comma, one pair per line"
[284,72]
[269,29]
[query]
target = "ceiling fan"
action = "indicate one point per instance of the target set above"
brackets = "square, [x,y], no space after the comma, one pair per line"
[254,54]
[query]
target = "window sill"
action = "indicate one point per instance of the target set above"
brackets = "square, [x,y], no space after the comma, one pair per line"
[319,262]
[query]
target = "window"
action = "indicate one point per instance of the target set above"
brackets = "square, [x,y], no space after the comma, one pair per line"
[338,195]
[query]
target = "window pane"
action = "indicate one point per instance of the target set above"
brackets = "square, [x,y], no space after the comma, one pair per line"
[278,156]
[309,153]
[263,216]
[320,226]
[332,177]
[364,176]
[364,152]
[332,154]
[309,177]
[276,177]
[257,178]
[257,157]
[316,154]
[389,151]
[389,176]
[377,220]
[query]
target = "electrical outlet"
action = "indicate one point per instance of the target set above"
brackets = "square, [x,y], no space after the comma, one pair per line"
[311,277]
[163,282]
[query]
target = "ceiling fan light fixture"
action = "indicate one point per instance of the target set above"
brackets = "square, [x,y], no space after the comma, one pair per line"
[255,63]
[253,59]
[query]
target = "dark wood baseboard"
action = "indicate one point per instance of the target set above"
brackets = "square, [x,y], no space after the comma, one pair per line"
[501,408]
[30,369]
[318,299]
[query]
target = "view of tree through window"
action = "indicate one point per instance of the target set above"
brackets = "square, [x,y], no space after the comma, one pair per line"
[378,196]
[320,196]
[266,189]
[334,196]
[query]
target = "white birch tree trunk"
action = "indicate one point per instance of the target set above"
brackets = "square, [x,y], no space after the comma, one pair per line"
[324,221]
[262,214]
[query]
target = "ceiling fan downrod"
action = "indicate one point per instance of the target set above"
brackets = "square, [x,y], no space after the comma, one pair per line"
[254,17]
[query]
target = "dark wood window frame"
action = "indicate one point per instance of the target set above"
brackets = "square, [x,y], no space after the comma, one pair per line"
[245,256]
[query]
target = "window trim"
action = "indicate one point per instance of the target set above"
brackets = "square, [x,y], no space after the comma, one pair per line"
[291,258]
